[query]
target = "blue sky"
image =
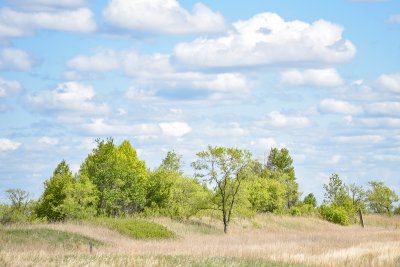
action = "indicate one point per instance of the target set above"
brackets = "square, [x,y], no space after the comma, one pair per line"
[321,78]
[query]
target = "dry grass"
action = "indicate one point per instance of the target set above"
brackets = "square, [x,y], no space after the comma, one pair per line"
[287,239]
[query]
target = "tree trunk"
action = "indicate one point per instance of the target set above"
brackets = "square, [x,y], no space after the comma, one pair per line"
[225,227]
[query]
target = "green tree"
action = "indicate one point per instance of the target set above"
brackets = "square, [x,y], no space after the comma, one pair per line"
[279,167]
[119,176]
[225,169]
[19,199]
[381,198]
[80,201]
[266,195]
[172,162]
[357,195]
[336,191]
[310,200]
[55,192]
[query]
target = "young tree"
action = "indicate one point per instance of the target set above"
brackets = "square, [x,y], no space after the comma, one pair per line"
[336,191]
[310,200]
[55,192]
[381,198]
[224,168]
[172,162]
[357,195]
[19,199]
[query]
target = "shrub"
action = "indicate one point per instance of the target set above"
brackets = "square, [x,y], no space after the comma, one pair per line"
[334,214]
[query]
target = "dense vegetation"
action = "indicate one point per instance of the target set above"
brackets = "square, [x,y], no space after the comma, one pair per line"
[113,182]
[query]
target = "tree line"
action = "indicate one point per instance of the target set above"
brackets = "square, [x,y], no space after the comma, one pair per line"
[227,182]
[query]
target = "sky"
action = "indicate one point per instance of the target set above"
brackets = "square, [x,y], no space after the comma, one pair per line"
[320,78]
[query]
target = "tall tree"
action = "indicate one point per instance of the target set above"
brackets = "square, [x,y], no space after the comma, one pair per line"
[381,198]
[172,162]
[279,167]
[55,192]
[119,176]
[224,168]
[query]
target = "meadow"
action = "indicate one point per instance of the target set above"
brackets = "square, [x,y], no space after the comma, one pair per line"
[266,240]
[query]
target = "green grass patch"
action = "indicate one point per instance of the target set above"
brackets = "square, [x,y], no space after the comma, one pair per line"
[44,237]
[135,228]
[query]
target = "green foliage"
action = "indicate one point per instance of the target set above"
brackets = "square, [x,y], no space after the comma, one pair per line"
[335,214]
[335,191]
[225,169]
[135,228]
[80,201]
[119,176]
[42,237]
[266,195]
[20,209]
[279,167]
[55,193]
[303,210]
[381,198]
[172,162]
[310,200]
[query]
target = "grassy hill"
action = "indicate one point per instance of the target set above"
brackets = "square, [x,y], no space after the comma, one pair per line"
[267,240]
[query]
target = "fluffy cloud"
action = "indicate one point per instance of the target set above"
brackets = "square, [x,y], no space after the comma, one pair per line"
[8,87]
[67,97]
[277,119]
[360,139]
[14,59]
[100,127]
[381,122]
[15,23]
[162,16]
[340,107]
[315,77]
[7,144]
[386,108]
[175,129]
[390,81]
[267,39]
[395,18]
[51,3]
[157,69]
[45,140]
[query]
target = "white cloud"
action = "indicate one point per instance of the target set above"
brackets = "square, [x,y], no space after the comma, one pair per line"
[340,107]
[317,77]
[277,119]
[45,140]
[390,81]
[360,139]
[8,87]
[387,108]
[14,59]
[176,129]
[335,159]
[267,143]
[162,16]
[15,23]
[231,130]
[381,122]
[156,69]
[100,127]
[51,3]
[267,39]
[67,97]
[7,144]
[395,18]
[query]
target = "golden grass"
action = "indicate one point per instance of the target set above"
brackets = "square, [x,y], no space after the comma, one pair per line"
[308,241]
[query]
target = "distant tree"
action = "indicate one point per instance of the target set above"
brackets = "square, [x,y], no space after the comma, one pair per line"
[226,169]
[357,195]
[55,192]
[279,167]
[336,191]
[19,199]
[310,200]
[266,195]
[381,198]
[172,162]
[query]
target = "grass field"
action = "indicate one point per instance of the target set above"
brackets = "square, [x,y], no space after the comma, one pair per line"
[267,240]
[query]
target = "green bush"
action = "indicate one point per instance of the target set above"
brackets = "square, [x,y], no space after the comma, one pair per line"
[334,214]
[135,228]
[302,210]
